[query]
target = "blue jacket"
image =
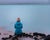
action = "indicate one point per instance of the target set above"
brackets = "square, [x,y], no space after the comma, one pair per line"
[18,27]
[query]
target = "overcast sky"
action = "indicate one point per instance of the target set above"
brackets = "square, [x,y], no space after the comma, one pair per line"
[22,1]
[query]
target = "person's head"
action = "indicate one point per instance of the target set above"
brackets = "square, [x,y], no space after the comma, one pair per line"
[18,19]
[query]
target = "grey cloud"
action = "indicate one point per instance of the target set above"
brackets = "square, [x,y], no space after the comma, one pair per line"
[22,1]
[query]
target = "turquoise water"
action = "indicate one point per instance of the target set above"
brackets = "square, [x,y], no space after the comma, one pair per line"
[35,18]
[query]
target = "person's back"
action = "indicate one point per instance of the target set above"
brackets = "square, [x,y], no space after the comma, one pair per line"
[18,27]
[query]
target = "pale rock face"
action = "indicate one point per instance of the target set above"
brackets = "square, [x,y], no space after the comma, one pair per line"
[27,38]
[5,33]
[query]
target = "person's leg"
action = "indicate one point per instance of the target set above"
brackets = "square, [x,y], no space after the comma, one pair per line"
[15,36]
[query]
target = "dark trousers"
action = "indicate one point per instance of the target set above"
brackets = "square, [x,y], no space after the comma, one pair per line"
[18,35]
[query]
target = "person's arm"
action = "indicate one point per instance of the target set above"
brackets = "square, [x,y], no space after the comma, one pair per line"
[15,26]
[21,25]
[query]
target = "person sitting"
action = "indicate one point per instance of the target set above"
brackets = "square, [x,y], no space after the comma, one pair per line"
[18,27]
